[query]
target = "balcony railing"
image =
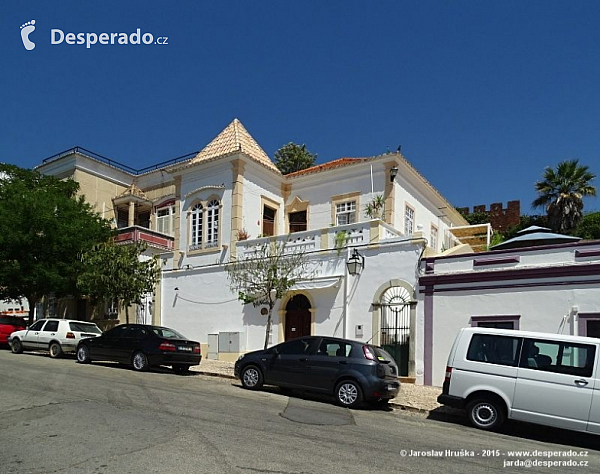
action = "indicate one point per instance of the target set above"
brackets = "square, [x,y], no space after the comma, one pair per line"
[330,238]
[129,235]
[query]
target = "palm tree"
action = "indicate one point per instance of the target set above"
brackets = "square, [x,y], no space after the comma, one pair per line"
[561,192]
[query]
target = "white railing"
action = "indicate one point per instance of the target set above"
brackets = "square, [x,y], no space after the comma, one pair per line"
[329,238]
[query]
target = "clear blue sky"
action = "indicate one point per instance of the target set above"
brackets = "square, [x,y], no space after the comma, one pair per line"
[482,95]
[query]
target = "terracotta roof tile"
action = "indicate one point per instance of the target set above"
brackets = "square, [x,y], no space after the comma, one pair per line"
[234,139]
[339,163]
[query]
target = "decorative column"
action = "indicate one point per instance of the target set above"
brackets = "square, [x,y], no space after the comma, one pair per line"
[237,199]
[131,216]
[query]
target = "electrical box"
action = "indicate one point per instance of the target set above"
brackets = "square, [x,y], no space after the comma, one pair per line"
[232,342]
[213,347]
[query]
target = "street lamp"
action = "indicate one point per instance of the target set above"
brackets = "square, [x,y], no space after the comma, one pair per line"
[355,263]
[393,173]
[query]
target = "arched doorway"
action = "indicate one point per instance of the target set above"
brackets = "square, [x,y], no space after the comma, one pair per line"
[395,325]
[297,317]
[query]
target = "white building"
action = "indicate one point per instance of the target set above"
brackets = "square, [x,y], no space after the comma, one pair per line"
[548,288]
[194,210]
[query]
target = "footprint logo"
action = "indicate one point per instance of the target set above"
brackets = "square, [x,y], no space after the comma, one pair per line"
[26,29]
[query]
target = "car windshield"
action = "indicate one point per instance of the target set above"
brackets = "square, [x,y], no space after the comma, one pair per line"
[85,327]
[168,333]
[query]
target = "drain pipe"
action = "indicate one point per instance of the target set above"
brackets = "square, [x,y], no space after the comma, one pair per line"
[345,315]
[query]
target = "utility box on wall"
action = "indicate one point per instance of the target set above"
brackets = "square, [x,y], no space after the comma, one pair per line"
[232,342]
[213,347]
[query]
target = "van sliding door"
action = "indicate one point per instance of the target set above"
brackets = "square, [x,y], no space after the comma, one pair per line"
[554,383]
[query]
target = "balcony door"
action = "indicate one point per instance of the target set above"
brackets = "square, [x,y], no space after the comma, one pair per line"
[268,221]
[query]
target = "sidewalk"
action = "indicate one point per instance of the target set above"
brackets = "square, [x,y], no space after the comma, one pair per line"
[412,397]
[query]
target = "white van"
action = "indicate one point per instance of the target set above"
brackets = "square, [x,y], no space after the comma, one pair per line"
[550,379]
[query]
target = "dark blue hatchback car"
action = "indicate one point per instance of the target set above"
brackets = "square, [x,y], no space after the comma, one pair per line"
[351,371]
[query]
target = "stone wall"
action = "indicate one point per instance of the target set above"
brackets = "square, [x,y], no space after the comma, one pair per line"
[501,218]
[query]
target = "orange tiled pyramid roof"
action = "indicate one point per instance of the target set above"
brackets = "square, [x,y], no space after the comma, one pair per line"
[234,139]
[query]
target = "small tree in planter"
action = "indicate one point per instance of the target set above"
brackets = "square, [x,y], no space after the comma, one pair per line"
[266,276]
[374,209]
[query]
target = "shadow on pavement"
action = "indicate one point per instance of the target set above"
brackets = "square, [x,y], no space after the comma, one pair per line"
[518,429]
[314,397]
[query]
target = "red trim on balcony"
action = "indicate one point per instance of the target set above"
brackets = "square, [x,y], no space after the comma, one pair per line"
[140,234]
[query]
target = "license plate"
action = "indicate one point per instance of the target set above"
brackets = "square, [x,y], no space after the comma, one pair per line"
[184,348]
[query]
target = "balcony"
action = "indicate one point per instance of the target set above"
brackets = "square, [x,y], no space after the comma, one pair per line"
[330,238]
[133,234]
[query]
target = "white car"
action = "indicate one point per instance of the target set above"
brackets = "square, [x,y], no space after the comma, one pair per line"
[57,336]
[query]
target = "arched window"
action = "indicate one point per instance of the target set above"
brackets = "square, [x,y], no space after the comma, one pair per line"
[212,224]
[196,218]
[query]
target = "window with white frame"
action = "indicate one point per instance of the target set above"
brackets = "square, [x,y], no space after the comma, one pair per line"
[345,213]
[204,225]
[196,223]
[164,219]
[409,220]
[212,224]
[433,238]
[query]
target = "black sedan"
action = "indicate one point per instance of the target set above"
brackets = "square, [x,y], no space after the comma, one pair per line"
[352,371]
[141,346]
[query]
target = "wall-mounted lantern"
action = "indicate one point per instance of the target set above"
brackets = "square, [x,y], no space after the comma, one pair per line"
[355,263]
[393,173]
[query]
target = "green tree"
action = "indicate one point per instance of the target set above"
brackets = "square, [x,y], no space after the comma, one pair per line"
[291,158]
[474,218]
[267,275]
[589,226]
[118,272]
[561,193]
[44,227]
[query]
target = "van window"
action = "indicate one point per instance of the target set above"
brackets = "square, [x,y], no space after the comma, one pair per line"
[494,349]
[559,357]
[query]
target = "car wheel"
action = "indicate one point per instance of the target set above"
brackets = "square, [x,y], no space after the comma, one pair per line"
[181,369]
[16,346]
[83,354]
[252,377]
[139,361]
[348,393]
[55,350]
[485,414]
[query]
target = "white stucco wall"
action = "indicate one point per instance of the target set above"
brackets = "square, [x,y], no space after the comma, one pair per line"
[319,188]
[541,309]
[204,304]
[213,179]
[259,183]
[545,301]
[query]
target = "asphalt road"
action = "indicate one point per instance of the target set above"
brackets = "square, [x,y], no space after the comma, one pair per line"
[60,417]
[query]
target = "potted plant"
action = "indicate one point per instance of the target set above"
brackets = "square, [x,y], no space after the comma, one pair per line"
[242,234]
[374,209]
